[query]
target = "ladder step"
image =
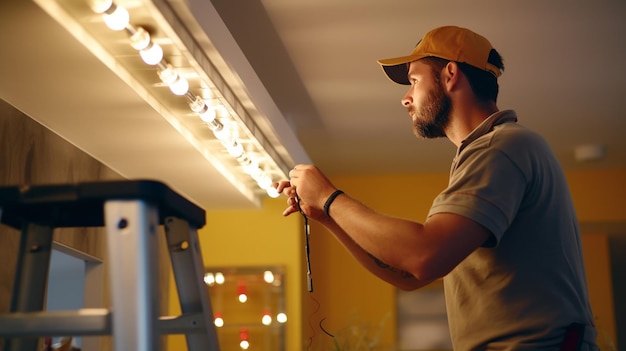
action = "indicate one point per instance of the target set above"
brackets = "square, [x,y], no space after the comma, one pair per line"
[86,322]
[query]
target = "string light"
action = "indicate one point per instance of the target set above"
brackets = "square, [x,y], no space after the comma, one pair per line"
[266,319]
[117,18]
[281,318]
[219,278]
[178,85]
[242,293]
[209,279]
[243,337]
[268,276]
[218,320]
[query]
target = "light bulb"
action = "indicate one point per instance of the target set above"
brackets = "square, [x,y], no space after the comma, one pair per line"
[206,112]
[152,54]
[118,19]
[243,298]
[222,134]
[268,276]
[209,279]
[219,278]
[272,192]
[281,317]
[219,321]
[250,165]
[266,319]
[168,75]
[264,181]
[100,6]
[140,39]
[244,344]
[180,86]
[235,149]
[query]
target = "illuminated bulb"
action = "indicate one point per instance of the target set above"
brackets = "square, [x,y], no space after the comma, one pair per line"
[222,134]
[241,292]
[272,192]
[256,173]
[209,279]
[206,113]
[152,54]
[140,39]
[100,6]
[178,85]
[268,276]
[219,321]
[168,75]
[235,149]
[264,181]
[243,338]
[215,125]
[219,278]
[266,319]
[118,19]
[281,318]
[249,166]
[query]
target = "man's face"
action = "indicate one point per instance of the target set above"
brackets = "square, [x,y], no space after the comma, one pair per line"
[426,101]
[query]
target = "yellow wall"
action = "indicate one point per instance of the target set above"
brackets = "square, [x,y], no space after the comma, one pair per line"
[598,195]
[346,293]
[249,238]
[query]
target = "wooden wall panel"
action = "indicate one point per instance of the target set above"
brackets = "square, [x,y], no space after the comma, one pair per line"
[32,154]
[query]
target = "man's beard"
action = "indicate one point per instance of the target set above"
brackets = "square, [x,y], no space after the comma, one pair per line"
[433,116]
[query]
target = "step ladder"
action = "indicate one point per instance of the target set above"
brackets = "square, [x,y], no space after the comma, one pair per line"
[131,211]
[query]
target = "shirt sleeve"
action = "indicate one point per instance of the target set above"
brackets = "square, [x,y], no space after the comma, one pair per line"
[486,185]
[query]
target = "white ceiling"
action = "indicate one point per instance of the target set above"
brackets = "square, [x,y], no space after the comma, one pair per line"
[316,60]
[563,73]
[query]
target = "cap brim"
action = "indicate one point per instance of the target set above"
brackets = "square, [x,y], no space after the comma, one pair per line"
[397,69]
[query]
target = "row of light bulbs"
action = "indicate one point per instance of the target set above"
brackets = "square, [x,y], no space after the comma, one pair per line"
[244,342]
[266,319]
[219,278]
[117,18]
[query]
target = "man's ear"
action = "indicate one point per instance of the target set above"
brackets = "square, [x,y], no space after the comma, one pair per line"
[450,75]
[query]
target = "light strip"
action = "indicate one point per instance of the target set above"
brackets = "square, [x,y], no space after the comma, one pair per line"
[215,105]
[117,18]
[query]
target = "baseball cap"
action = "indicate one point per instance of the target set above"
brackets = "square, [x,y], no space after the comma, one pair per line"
[448,42]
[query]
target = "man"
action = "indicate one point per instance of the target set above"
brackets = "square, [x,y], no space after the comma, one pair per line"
[504,234]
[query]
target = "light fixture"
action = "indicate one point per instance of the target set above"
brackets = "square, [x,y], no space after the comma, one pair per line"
[115,17]
[268,276]
[218,320]
[242,293]
[249,159]
[266,318]
[244,344]
[209,279]
[219,278]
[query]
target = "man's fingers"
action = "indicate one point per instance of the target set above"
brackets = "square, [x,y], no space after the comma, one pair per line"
[280,186]
[289,210]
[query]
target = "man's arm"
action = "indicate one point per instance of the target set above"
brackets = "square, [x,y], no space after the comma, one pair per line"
[392,248]
[404,253]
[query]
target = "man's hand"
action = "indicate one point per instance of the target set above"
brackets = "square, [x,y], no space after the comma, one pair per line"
[307,190]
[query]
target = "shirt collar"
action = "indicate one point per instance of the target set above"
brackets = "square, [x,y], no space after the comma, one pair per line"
[500,117]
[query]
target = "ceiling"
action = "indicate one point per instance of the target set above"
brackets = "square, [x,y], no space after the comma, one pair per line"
[560,76]
[309,67]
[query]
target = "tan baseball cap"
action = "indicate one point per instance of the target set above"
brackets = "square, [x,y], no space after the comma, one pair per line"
[450,43]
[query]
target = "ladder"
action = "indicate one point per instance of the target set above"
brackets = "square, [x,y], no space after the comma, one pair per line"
[131,211]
